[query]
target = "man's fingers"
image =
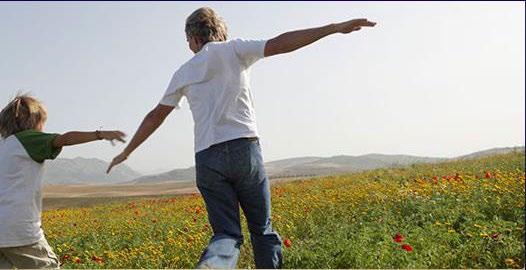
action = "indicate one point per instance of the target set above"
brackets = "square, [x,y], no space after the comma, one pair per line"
[363,22]
[360,20]
[112,164]
[366,23]
[109,168]
[117,160]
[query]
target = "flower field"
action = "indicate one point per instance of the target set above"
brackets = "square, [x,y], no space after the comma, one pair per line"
[460,214]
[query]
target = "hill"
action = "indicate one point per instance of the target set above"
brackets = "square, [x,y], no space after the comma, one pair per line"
[177,175]
[85,171]
[79,170]
[492,152]
[304,166]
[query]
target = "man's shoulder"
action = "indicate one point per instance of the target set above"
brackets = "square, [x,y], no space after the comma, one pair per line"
[218,45]
[210,51]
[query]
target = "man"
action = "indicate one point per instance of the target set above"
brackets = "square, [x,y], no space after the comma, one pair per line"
[229,164]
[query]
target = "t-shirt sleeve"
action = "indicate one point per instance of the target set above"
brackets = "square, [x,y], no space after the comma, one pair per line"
[39,145]
[249,51]
[174,92]
[194,71]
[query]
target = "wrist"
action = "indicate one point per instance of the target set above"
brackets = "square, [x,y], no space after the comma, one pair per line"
[332,28]
[98,133]
[126,153]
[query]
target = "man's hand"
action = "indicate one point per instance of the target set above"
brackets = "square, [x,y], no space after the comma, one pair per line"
[117,160]
[352,25]
[150,123]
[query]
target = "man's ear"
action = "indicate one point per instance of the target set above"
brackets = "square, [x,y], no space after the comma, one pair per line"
[196,41]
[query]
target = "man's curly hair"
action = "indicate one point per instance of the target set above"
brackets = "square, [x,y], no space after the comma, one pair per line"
[206,25]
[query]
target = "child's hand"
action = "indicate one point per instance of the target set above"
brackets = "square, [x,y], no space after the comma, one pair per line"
[111,135]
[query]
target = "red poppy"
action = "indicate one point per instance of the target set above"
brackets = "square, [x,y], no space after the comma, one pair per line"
[494,236]
[65,257]
[488,175]
[407,247]
[287,243]
[398,238]
[77,260]
[96,258]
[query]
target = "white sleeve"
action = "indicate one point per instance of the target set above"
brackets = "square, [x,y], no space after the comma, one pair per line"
[174,93]
[194,71]
[249,51]
[173,100]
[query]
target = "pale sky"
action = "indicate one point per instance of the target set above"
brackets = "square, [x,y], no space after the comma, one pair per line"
[437,79]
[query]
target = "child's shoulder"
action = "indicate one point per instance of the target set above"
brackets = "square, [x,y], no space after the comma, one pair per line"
[33,134]
[39,145]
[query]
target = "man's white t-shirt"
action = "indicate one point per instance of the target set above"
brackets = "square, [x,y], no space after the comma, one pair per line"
[216,83]
[22,157]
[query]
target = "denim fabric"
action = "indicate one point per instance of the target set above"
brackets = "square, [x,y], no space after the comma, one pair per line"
[231,174]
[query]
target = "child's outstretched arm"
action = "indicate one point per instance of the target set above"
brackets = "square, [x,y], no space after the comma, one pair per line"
[294,40]
[150,123]
[79,137]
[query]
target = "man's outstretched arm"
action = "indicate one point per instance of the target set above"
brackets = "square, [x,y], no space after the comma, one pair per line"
[294,40]
[150,123]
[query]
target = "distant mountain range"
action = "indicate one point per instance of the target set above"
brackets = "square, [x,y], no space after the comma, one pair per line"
[317,166]
[180,175]
[491,152]
[92,171]
[340,164]
[64,171]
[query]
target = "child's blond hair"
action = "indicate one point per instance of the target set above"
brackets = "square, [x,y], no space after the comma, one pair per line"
[206,25]
[22,113]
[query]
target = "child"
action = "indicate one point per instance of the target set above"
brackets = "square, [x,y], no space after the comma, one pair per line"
[23,150]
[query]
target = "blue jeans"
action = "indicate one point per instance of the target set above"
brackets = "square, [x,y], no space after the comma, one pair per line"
[230,174]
